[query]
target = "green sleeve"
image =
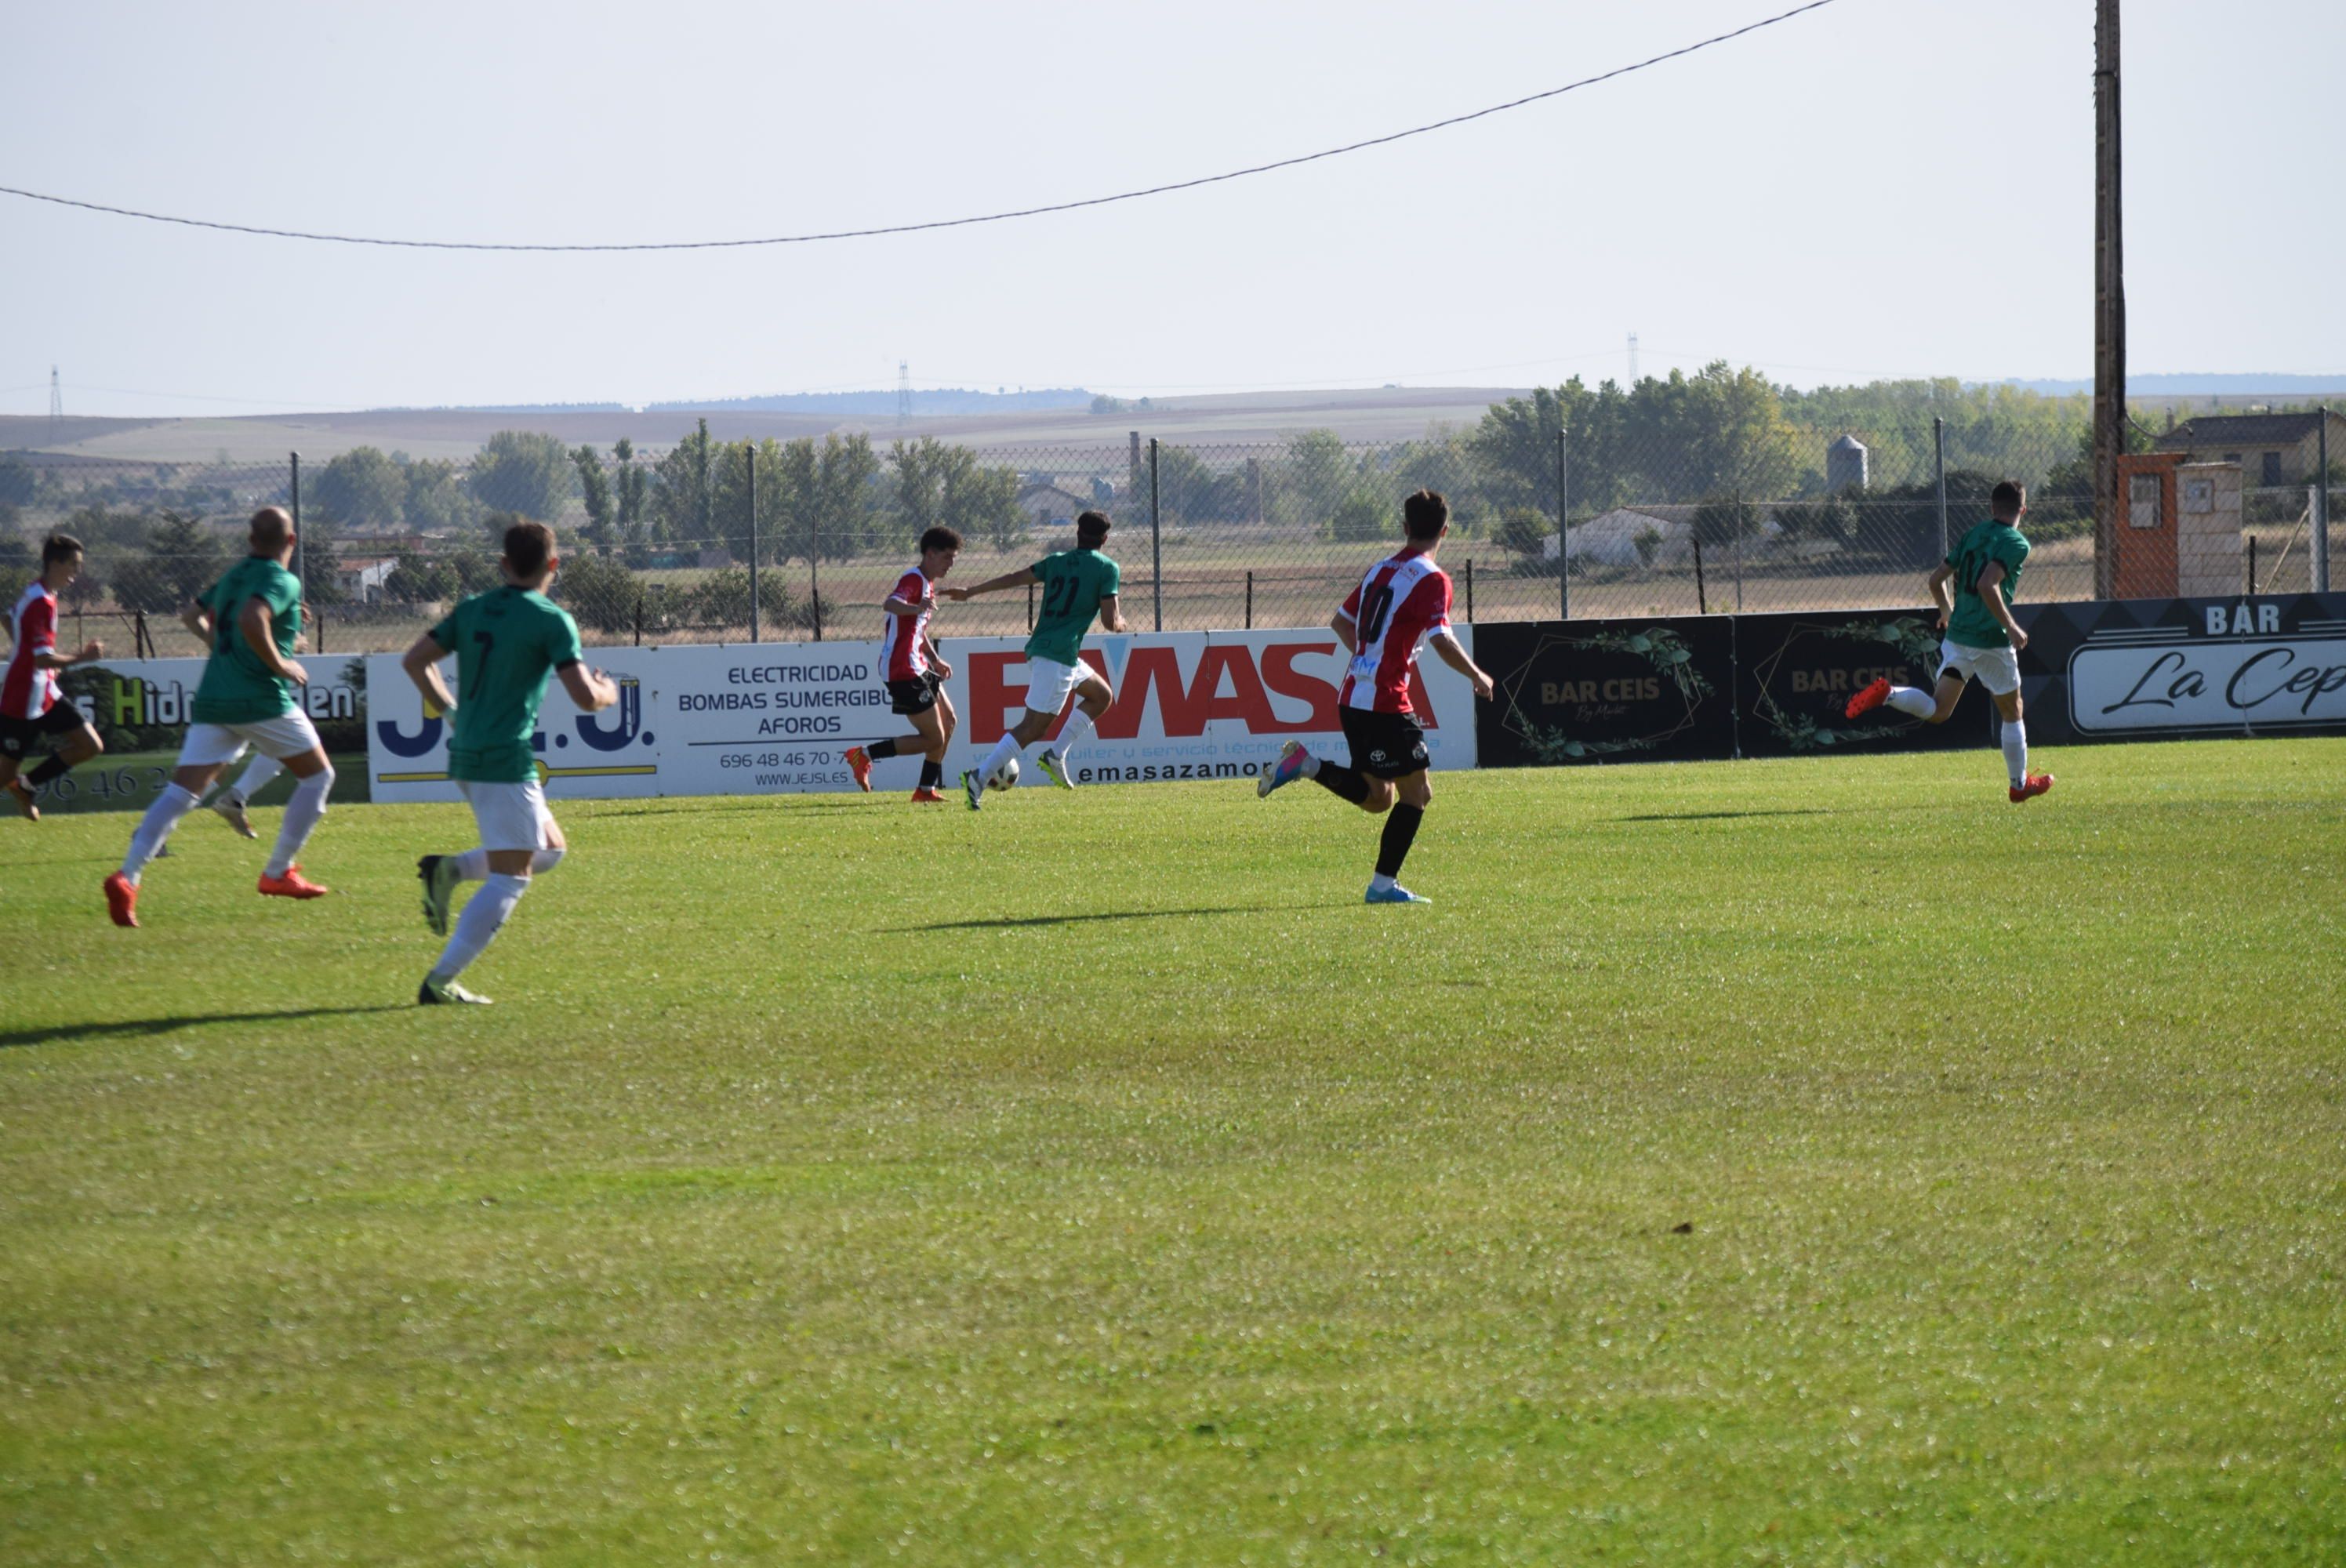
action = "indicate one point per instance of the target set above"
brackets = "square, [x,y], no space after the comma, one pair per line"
[1115,579]
[562,640]
[1042,568]
[2013,552]
[445,633]
[282,596]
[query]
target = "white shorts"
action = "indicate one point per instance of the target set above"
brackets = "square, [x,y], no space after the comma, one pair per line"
[218,745]
[1998,669]
[1049,684]
[512,816]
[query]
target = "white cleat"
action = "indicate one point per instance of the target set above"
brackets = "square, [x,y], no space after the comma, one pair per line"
[1055,767]
[230,806]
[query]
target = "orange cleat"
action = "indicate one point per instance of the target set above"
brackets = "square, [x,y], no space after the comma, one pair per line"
[2034,784]
[291,885]
[1866,701]
[858,762]
[23,795]
[122,899]
[927,797]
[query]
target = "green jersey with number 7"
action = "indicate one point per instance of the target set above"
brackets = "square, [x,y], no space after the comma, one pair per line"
[506,642]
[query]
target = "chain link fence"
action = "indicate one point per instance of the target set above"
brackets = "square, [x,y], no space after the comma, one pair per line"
[706,541]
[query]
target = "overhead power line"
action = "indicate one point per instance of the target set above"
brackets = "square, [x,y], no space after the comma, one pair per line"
[937,223]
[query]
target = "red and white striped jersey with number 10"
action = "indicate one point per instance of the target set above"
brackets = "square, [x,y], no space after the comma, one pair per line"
[27,691]
[903,643]
[1403,600]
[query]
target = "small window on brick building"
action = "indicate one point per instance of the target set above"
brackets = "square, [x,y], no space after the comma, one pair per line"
[2273,469]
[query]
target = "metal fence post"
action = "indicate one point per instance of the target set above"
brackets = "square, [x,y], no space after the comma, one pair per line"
[1563,533]
[301,551]
[1156,541]
[1249,602]
[814,570]
[1739,551]
[2322,503]
[749,450]
[1939,467]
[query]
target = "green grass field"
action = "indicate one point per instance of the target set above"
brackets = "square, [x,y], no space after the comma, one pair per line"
[1800,1163]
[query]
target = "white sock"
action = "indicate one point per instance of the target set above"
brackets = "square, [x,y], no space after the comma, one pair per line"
[1912,700]
[479,924]
[1004,750]
[256,776]
[2015,751]
[153,828]
[1078,728]
[1309,766]
[301,815]
[545,861]
[1379,883]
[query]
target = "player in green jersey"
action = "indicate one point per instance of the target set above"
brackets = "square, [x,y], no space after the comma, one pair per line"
[1982,639]
[506,642]
[251,619]
[1076,583]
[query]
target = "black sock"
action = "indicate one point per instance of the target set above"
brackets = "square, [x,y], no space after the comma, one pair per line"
[879,748]
[1401,827]
[932,774]
[53,765]
[1339,779]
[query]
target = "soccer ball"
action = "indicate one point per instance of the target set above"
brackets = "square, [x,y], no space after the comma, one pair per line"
[1005,776]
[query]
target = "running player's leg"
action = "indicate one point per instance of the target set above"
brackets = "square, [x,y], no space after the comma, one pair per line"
[1049,683]
[204,751]
[62,726]
[80,742]
[519,837]
[1956,667]
[293,741]
[1414,794]
[230,803]
[932,762]
[1094,698]
[932,733]
[2001,676]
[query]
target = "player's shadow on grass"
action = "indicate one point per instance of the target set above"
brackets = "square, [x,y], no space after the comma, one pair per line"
[1724,816]
[150,1027]
[1013,922]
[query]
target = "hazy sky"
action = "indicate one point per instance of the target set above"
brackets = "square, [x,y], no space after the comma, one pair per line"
[1883,188]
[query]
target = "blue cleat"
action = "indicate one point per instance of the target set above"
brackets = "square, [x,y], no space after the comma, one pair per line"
[1395,894]
[1285,771]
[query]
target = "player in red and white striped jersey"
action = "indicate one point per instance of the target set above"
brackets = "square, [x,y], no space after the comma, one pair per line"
[1403,600]
[31,704]
[916,672]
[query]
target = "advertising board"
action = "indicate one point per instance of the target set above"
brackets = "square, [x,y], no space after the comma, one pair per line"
[774,717]
[1609,691]
[139,708]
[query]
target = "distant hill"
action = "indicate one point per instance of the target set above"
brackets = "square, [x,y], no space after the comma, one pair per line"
[2194,384]
[882,404]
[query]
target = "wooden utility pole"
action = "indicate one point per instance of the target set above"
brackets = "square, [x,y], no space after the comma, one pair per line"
[2109,302]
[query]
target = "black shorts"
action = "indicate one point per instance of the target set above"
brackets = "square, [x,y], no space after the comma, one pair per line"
[1384,745]
[917,695]
[18,737]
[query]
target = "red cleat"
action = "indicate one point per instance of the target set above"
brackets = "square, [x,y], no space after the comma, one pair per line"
[291,885]
[927,797]
[2034,784]
[22,794]
[858,762]
[122,899]
[1866,701]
